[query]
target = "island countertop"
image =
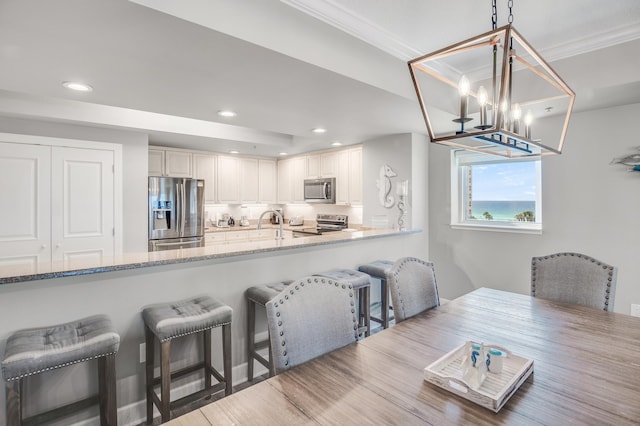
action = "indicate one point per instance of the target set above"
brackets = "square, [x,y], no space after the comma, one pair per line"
[24,273]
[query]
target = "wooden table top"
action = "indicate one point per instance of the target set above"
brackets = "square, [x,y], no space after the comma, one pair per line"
[586,371]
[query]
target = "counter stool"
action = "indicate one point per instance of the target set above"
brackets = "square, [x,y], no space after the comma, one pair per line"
[36,350]
[259,295]
[379,269]
[167,321]
[360,282]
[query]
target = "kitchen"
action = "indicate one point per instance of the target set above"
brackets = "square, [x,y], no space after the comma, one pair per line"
[581,187]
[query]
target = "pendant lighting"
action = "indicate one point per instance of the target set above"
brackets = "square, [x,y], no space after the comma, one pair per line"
[493,93]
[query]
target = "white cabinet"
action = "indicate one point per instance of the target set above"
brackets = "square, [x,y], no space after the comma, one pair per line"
[349,177]
[164,162]
[313,166]
[267,182]
[285,194]
[249,176]
[322,165]
[291,175]
[228,180]
[329,164]
[177,164]
[156,162]
[204,167]
[355,176]
[63,203]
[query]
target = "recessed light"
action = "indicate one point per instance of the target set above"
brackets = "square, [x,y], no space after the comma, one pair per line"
[319,130]
[226,113]
[234,152]
[77,86]
[336,143]
[282,153]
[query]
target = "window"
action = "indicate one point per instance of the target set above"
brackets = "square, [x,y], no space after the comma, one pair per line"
[495,193]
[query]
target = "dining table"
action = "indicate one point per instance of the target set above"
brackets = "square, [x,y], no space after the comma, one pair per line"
[586,370]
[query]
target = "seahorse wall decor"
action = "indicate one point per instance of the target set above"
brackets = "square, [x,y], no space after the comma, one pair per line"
[384,186]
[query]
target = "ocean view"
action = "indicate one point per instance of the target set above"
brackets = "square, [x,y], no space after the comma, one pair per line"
[501,210]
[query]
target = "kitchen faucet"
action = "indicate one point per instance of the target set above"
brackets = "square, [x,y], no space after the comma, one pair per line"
[279,234]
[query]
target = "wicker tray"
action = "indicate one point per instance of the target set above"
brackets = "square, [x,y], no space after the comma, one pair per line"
[496,389]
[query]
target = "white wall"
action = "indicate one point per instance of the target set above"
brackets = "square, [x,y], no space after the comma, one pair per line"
[589,206]
[135,166]
[396,152]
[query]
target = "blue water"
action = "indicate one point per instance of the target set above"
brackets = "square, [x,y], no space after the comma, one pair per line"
[501,210]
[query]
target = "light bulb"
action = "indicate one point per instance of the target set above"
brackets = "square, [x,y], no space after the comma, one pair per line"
[464,86]
[517,112]
[483,96]
[528,118]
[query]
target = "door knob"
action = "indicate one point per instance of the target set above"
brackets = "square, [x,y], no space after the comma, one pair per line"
[58,245]
[44,246]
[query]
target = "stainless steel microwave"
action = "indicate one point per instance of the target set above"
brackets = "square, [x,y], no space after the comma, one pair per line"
[320,190]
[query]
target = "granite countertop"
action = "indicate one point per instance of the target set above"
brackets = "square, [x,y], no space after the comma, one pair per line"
[24,273]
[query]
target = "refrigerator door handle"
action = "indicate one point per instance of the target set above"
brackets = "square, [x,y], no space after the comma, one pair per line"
[183,203]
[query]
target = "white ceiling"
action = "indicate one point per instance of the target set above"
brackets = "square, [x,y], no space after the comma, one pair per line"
[285,70]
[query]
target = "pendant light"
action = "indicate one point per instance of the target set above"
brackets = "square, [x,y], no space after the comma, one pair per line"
[491,93]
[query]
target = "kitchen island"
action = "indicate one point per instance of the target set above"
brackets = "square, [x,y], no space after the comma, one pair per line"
[122,287]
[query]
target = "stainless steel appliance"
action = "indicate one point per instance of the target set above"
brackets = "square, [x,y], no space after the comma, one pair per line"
[176,213]
[275,219]
[320,190]
[324,223]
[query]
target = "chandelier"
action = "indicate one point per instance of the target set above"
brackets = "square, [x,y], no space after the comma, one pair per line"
[493,93]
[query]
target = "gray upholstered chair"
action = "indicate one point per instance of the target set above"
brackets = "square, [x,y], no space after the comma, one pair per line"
[412,283]
[312,316]
[574,278]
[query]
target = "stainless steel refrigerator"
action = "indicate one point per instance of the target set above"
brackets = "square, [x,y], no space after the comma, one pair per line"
[176,213]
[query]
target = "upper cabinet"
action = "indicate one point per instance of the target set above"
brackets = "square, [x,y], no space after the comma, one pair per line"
[228,180]
[349,177]
[267,181]
[291,175]
[249,180]
[204,167]
[322,165]
[163,162]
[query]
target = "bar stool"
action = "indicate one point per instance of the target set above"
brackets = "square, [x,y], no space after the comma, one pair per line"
[167,321]
[36,350]
[259,295]
[360,282]
[379,269]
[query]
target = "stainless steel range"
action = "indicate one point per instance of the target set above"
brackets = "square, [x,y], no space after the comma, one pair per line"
[325,223]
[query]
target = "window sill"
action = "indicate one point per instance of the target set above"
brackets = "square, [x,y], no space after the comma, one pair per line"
[513,228]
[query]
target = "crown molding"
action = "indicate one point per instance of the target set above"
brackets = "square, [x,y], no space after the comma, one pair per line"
[338,16]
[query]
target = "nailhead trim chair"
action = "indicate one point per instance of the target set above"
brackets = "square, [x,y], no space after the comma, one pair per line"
[259,295]
[361,283]
[413,287]
[312,316]
[167,321]
[380,269]
[574,278]
[33,351]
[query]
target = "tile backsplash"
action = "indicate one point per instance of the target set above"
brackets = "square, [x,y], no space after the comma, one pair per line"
[308,211]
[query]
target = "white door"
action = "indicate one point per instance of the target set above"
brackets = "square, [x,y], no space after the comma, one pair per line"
[25,201]
[249,180]
[228,183]
[82,210]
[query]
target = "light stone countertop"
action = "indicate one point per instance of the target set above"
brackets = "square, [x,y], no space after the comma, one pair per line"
[24,273]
